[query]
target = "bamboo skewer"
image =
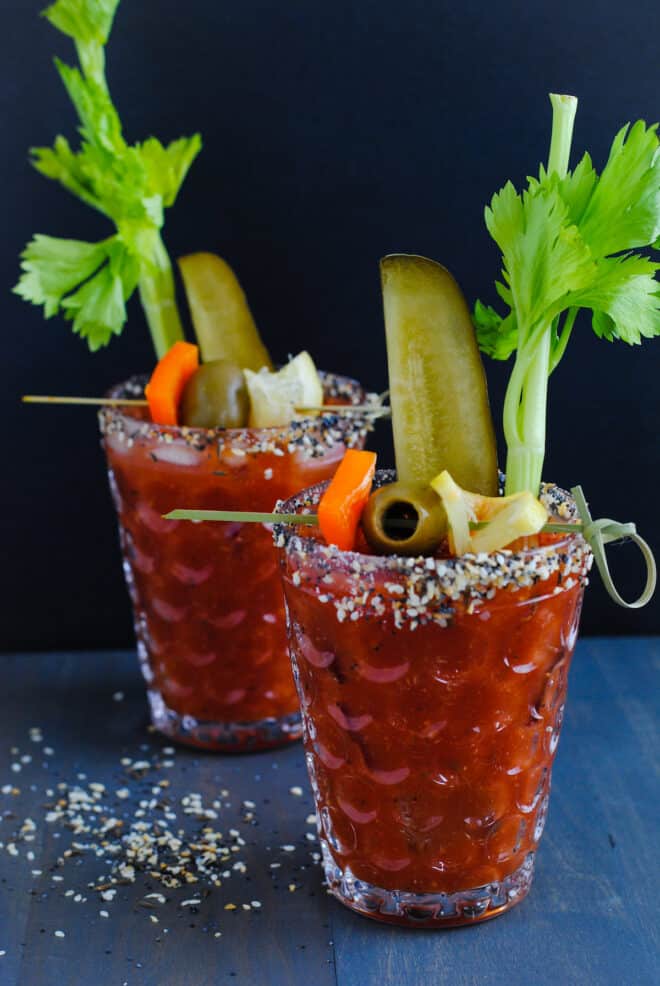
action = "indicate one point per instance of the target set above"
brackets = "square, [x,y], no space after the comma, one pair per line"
[312,520]
[95,401]
[134,402]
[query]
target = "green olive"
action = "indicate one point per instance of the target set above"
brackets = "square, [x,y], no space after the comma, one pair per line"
[404,519]
[216,397]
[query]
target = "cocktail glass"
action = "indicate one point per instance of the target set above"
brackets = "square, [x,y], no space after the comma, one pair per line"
[207,599]
[432,692]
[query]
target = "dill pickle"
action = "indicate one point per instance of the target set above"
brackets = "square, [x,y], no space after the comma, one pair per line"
[222,319]
[440,412]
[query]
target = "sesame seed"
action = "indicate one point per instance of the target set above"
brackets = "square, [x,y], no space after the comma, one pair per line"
[419,591]
[175,843]
[309,436]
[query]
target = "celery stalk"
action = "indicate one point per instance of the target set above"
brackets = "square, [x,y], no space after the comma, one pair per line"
[132,185]
[527,393]
[157,294]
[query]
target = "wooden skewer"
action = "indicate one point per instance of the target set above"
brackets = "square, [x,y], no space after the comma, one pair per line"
[132,402]
[345,409]
[100,401]
[247,516]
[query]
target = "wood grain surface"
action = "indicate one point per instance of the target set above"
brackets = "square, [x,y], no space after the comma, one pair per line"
[591,918]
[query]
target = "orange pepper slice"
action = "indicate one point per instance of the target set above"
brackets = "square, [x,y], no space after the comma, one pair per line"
[341,506]
[171,375]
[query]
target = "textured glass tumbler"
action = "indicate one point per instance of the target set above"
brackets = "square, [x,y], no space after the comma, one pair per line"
[432,693]
[207,599]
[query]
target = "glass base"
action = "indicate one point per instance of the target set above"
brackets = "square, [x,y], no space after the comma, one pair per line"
[432,910]
[224,737]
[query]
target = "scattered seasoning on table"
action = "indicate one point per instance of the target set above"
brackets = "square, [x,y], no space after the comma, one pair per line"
[148,832]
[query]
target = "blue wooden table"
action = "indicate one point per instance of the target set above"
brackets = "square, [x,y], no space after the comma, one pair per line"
[590,920]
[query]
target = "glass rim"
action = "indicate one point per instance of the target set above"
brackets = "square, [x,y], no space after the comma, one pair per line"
[473,578]
[312,435]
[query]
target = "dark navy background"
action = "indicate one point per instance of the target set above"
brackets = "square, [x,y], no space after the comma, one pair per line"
[334,133]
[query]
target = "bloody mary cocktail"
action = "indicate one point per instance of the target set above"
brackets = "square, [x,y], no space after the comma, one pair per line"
[207,601]
[432,692]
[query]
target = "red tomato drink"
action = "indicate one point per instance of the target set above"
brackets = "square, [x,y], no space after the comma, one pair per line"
[432,693]
[207,600]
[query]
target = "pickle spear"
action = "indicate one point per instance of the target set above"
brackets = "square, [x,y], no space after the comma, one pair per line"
[223,321]
[440,412]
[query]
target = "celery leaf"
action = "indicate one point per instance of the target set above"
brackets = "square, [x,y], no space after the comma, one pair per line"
[53,267]
[624,209]
[543,252]
[98,308]
[577,187]
[624,298]
[86,21]
[166,167]
[99,121]
[497,337]
[90,282]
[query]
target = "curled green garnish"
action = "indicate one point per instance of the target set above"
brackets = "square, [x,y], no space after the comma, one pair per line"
[598,533]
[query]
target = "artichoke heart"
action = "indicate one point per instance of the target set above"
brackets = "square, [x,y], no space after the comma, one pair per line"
[506,517]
